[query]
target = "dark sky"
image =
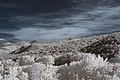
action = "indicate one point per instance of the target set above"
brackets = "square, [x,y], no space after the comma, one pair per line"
[50,14]
[48,5]
[37,5]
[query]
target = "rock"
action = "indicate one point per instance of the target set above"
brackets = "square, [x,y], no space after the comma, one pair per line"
[106,47]
[62,60]
[20,50]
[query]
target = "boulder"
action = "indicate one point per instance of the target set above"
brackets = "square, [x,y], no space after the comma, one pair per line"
[65,59]
[106,47]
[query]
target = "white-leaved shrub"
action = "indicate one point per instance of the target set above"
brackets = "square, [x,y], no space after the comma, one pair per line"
[44,70]
[88,67]
[26,60]
[83,66]
[48,60]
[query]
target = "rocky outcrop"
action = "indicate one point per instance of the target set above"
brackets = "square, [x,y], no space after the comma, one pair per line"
[62,60]
[21,49]
[107,47]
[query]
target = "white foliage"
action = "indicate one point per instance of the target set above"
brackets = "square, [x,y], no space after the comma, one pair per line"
[10,78]
[83,66]
[89,67]
[23,76]
[1,67]
[44,70]
[12,73]
[50,73]
[46,60]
